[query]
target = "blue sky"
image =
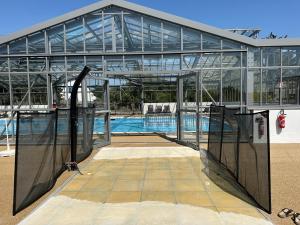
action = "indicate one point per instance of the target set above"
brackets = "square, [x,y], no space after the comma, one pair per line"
[279,16]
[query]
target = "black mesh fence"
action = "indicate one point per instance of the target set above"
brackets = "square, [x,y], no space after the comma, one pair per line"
[216,118]
[43,148]
[243,148]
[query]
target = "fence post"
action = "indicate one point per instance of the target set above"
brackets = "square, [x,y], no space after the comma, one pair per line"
[73,115]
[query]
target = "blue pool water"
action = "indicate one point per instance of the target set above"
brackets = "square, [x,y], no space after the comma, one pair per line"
[124,124]
[141,124]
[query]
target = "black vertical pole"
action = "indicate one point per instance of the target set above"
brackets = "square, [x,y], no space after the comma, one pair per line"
[73,112]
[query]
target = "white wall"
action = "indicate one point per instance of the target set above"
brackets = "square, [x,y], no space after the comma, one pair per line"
[291,132]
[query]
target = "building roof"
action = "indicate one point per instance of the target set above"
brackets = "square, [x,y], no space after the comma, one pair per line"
[155,13]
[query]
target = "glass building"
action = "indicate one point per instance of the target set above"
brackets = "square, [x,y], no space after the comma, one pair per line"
[142,52]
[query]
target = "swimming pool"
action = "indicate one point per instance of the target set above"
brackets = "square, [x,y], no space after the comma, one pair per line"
[127,125]
[142,124]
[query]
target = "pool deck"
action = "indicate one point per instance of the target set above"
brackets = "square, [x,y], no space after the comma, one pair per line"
[148,180]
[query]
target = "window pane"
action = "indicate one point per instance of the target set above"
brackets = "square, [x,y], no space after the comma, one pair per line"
[57,64]
[95,63]
[38,91]
[171,63]
[253,87]
[231,59]
[211,81]
[18,46]
[56,39]
[171,37]
[271,57]
[133,63]
[152,63]
[191,39]
[3,64]
[18,64]
[3,49]
[133,32]
[291,56]
[254,57]
[37,64]
[19,83]
[290,86]
[152,34]
[4,90]
[210,60]
[74,35]
[228,44]
[75,63]
[94,32]
[36,42]
[114,63]
[211,42]
[231,90]
[270,86]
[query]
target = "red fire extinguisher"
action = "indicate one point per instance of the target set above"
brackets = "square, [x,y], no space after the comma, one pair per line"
[281,119]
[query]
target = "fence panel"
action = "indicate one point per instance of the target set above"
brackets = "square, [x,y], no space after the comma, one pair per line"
[241,143]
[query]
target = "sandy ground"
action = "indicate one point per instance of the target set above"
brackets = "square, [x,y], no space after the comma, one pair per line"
[285,171]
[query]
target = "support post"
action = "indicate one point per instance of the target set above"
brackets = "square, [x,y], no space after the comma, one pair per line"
[73,116]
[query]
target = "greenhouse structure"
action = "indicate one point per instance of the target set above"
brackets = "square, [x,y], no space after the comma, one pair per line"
[150,58]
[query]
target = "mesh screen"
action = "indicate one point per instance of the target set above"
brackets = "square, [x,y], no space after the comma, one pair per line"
[35,164]
[215,131]
[229,140]
[43,148]
[85,129]
[243,147]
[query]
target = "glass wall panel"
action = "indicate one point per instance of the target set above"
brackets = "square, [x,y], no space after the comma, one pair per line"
[171,63]
[211,81]
[95,92]
[290,86]
[3,65]
[291,56]
[229,44]
[59,89]
[152,63]
[152,34]
[93,32]
[270,86]
[231,87]
[38,90]
[75,63]
[18,64]
[172,37]
[74,35]
[271,56]
[18,46]
[133,63]
[57,64]
[3,49]
[56,39]
[113,32]
[94,62]
[211,42]
[210,60]
[114,63]
[254,87]
[231,59]
[189,92]
[191,39]
[188,61]
[4,90]
[132,32]
[254,57]
[36,42]
[19,83]
[37,64]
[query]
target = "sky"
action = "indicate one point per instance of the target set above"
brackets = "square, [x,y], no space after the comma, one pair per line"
[281,17]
